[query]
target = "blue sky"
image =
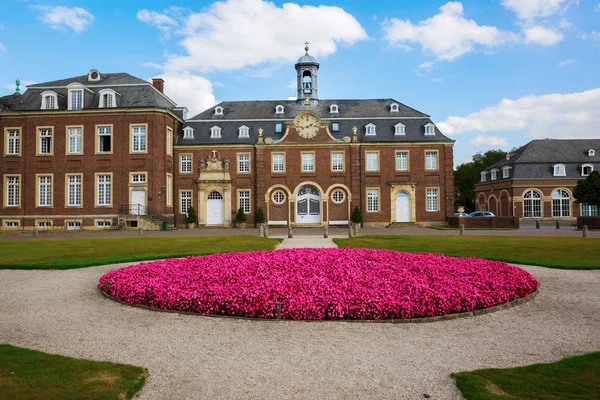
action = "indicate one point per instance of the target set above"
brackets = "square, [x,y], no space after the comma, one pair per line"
[492,74]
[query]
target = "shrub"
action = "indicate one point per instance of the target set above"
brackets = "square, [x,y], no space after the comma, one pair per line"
[259,217]
[240,217]
[190,216]
[357,216]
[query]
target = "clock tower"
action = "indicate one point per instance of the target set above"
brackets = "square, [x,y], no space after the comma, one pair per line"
[307,78]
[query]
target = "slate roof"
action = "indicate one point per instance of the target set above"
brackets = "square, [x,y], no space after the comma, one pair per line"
[139,93]
[359,113]
[537,158]
[6,102]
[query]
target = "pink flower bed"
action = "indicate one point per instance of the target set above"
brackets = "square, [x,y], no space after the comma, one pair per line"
[316,284]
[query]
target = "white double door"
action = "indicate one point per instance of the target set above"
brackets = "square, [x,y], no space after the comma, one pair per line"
[308,206]
[138,202]
[214,209]
[402,207]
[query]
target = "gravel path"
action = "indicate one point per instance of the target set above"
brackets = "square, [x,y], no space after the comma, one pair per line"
[193,357]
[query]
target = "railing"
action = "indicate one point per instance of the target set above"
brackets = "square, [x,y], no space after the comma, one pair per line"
[141,210]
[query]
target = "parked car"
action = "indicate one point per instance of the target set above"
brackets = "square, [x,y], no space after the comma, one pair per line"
[461,214]
[481,214]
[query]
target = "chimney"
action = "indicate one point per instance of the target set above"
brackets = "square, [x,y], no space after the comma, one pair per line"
[159,84]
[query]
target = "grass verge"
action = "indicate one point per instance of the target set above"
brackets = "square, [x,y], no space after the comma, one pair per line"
[575,378]
[85,252]
[30,374]
[553,252]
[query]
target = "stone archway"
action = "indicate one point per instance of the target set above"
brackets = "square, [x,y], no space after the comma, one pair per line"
[308,207]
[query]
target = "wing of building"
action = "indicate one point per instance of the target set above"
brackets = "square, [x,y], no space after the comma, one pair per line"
[97,149]
[537,180]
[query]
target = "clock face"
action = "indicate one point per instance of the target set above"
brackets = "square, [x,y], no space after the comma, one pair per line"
[307,125]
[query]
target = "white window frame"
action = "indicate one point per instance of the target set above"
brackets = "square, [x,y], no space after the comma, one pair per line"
[430,129]
[169,141]
[12,141]
[506,172]
[219,110]
[334,109]
[215,132]
[185,163]
[428,166]
[45,134]
[483,176]
[244,200]
[12,190]
[584,166]
[335,196]
[139,138]
[101,131]
[494,174]
[372,161]
[337,161]
[400,129]
[278,127]
[76,89]
[169,190]
[394,107]
[277,165]
[279,109]
[561,204]
[138,177]
[335,126]
[559,170]
[432,194]
[276,194]
[307,160]
[188,132]
[44,190]
[244,131]
[46,96]
[535,205]
[243,163]
[588,210]
[591,153]
[104,186]
[185,201]
[400,159]
[74,138]
[373,200]
[74,190]
[370,130]
[107,94]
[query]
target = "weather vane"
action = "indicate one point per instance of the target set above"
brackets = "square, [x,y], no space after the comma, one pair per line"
[306,47]
[18,83]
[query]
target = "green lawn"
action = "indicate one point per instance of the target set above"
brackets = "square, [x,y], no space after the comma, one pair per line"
[576,378]
[85,252]
[32,375]
[554,252]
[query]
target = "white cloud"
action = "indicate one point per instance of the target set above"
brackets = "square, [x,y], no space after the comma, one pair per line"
[447,35]
[59,17]
[162,22]
[292,98]
[234,34]
[2,47]
[594,35]
[565,63]
[191,91]
[571,115]
[565,24]
[530,9]
[488,141]
[438,80]
[543,36]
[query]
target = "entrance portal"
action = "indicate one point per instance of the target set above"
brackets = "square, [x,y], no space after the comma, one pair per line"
[308,205]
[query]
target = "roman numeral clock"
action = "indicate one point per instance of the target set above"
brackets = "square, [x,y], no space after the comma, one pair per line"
[307,125]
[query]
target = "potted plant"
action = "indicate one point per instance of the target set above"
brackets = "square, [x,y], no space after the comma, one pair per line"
[357,217]
[259,217]
[191,217]
[240,218]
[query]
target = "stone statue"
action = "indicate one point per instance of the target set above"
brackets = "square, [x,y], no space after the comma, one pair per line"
[226,164]
[202,165]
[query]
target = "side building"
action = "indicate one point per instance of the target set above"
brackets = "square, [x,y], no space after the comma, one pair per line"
[310,162]
[91,151]
[537,181]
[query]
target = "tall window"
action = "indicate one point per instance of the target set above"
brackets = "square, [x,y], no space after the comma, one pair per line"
[169,190]
[335,127]
[432,200]
[494,174]
[76,99]
[589,210]
[483,175]
[431,162]
[13,188]
[559,170]
[75,141]
[49,102]
[337,161]
[505,172]
[45,141]
[139,138]
[169,141]
[13,142]
[278,127]
[532,204]
[74,190]
[372,200]
[104,139]
[185,200]
[372,161]
[215,132]
[186,163]
[244,200]
[400,129]
[429,130]
[108,100]
[561,203]
[370,130]
[243,162]
[308,162]
[278,162]
[402,161]
[104,190]
[44,191]
[244,131]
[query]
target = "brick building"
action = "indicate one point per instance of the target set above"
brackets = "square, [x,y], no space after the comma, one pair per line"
[98,149]
[537,181]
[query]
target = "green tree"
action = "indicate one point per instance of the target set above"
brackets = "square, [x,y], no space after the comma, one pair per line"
[587,190]
[466,176]
[240,217]
[356,216]
[259,217]
[191,216]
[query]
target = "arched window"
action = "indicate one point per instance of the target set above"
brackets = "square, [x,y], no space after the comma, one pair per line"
[532,204]
[561,203]
[494,174]
[215,132]
[307,82]
[49,100]
[107,98]
[215,196]
[560,170]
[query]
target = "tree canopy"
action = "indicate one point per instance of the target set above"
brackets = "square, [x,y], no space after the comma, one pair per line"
[587,190]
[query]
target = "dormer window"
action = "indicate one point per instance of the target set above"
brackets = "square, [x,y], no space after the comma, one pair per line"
[494,174]
[394,107]
[586,169]
[215,132]
[483,176]
[505,172]
[75,96]
[108,98]
[94,75]
[244,131]
[49,100]
[560,170]
[399,129]
[591,153]
[335,126]
[334,109]
[279,109]
[188,132]
[219,110]
[430,129]
[371,130]
[278,127]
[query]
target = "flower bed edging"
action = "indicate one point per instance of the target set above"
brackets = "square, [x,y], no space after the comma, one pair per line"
[446,317]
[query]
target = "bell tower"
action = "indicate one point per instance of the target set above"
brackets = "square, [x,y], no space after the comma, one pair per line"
[307,78]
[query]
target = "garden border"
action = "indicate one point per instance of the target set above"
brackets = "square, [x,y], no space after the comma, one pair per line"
[446,317]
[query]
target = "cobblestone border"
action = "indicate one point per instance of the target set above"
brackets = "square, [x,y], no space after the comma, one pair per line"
[446,317]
